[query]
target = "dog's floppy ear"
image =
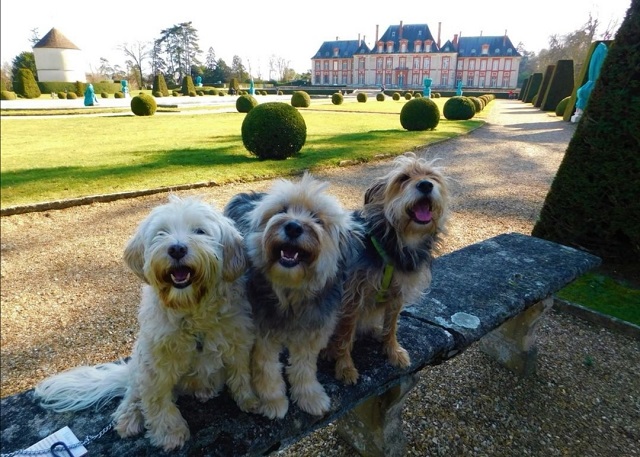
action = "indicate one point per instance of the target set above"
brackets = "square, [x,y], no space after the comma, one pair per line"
[234,260]
[134,253]
[375,192]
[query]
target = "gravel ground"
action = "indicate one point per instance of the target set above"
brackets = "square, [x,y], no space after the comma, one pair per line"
[67,299]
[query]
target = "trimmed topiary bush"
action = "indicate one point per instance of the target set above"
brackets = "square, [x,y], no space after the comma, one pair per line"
[62,95]
[380,97]
[160,85]
[560,86]
[104,95]
[187,86]
[274,130]
[420,114]
[436,95]
[157,94]
[362,97]
[408,96]
[300,99]
[546,80]
[71,96]
[337,98]
[245,103]
[562,106]
[80,88]
[118,94]
[7,95]
[25,84]
[535,80]
[143,105]
[458,108]
[477,104]
[396,96]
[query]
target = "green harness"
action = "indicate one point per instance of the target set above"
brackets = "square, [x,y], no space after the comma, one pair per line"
[388,271]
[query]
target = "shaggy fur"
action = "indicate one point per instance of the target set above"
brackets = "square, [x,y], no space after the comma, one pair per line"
[299,241]
[406,212]
[196,330]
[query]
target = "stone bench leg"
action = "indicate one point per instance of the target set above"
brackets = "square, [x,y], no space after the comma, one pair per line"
[374,428]
[513,344]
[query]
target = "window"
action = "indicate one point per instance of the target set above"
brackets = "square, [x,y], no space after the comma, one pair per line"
[345,64]
[472,64]
[427,46]
[507,64]
[379,63]
[470,80]
[416,46]
[389,63]
[509,51]
[445,63]
[506,79]
[485,49]
[483,64]
[494,81]
[390,46]
[336,52]
[495,64]
[325,65]
[444,79]
[416,79]
[361,64]
[416,63]
[335,65]
[403,62]
[317,65]
[426,63]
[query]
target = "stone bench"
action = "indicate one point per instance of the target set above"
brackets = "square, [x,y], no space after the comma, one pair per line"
[493,292]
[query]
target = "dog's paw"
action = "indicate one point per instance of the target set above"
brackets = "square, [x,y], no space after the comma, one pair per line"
[130,423]
[398,356]
[327,354]
[275,408]
[346,372]
[315,403]
[171,436]
[204,395]
[249,404]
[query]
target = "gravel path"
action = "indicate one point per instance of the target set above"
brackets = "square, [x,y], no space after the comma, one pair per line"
[67,299]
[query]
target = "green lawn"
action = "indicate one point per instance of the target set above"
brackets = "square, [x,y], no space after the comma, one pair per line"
[46,159]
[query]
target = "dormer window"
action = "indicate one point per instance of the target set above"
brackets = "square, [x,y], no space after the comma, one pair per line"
[417,46]
[473,52]
[497,51]
[390,46]
[419,32]
[509,51]
[485,49]
[427,45]
[446,49]
[336,52]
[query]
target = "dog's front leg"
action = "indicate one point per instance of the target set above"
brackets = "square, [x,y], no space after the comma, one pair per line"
[342,345]
[238,365]
[306,391]
[268,383]
[397,355]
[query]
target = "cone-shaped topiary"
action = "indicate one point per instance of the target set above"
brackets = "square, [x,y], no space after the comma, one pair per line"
[593,202]
[337,98]
[535,80]
[300,99]
[560,86]
[458,108]
[245,103]
[362,97]
[187,86]
[420,114]
[160,85]
[25,84]
[143,105]
[274,130]
[546,80]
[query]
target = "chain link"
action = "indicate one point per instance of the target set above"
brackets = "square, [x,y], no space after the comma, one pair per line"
[88,440]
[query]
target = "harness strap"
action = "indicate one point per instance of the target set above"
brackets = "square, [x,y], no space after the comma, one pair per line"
[388,271]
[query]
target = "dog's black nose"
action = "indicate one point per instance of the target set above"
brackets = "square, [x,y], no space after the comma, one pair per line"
[177,251]
[293,229]
[425,186]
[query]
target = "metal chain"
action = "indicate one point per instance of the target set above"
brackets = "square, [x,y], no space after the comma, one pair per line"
[88,440]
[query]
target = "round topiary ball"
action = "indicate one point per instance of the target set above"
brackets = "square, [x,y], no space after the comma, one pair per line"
[458,108]
[380,97]
[396,96]
[104,95]
[477,104]
[157,94]
[408,96]
[143,105]
[337,98]
[420,114]
[7,95]
[300,99]
[118,94]
[274,130]
[562,105]
[71,96]
[245,103]
[362,97]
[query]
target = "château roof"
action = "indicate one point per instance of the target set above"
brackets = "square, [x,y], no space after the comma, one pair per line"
[409,32]
[498,46]
[55,39]
[345,48]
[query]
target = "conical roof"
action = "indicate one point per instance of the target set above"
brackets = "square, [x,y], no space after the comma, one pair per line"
[55,39]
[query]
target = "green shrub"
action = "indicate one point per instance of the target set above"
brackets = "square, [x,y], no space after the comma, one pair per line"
[396,96]
[560,86]
[420,114]
[71,96]
[477,104]
[143,105]
[235,85]
[160,85]
[337,98]
[157,94]
[175,93]
[535,81]
[187,86]
[380,97]
[280,92]
[62,95]
[25,84]
[417,94]
[7,95]
[274,130]
[458,108]
[300,99]
[408,96]
[118,94]
[221,93]
[200,93]
[80,88]
[436,95]
[362,97]
[245,103]
[562,105]
[104,95]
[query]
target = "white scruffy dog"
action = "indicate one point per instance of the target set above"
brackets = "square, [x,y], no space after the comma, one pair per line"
[196,330]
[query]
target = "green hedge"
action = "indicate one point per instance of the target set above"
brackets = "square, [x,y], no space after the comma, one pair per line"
[560,86]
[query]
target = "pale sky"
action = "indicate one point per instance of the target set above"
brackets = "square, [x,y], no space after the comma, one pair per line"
[290,30]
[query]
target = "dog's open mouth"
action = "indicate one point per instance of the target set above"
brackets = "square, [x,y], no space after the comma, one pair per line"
[420,213]
[289,255]
[180,277]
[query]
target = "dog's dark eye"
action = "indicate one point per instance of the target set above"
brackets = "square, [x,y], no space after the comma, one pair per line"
[284,209]
[199,231]
[402,178]
[317,219]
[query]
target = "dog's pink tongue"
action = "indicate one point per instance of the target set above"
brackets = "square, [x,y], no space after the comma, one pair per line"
[422,213]
[180,274]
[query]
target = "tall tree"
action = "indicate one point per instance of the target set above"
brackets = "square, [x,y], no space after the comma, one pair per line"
[136,55]
[181,48]
[237,69]
[23,60]
[593,202]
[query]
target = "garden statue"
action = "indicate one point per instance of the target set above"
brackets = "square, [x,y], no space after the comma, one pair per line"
[90,96]
[459,88]
[252,91]
[583,93]
[124,88]
[198,81]
[427,87]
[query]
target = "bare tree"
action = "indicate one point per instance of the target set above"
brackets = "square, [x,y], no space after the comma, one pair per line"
[137,53]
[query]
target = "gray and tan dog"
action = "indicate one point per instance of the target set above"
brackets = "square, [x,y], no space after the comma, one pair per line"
[299,241]
[404,215]
[196,331]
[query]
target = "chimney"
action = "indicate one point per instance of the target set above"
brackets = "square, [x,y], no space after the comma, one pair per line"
[455,39]
[504,40]
[377,28]
[359,40]
[400,32]
[337,38]
[439,29]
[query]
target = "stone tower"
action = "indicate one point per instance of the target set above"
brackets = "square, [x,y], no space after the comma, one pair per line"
[58,59]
